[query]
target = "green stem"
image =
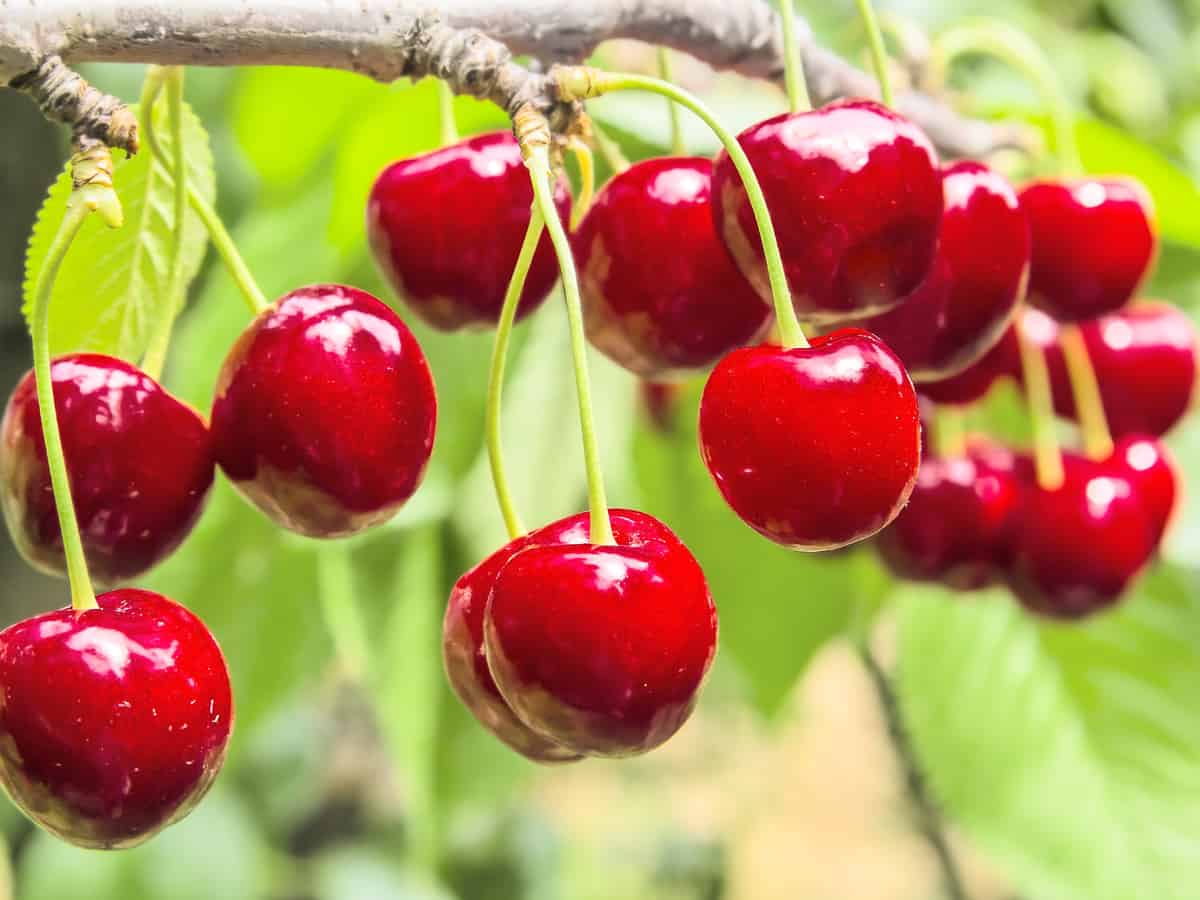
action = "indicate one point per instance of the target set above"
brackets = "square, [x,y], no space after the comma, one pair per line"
[83,596]
[609,148]
[156,353]
[951,431]
[580,83]
[238,270]
[1089,403]
[449,127]
[666,74]
[538,161]
[508,314]
[343,618]
[1018,50]
[587,181]
[879,60]
[797,83]
[1047,455]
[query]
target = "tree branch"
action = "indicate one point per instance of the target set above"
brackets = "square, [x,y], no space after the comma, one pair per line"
[468,43]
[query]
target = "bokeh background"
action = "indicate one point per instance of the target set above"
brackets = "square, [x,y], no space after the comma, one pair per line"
[1067,758]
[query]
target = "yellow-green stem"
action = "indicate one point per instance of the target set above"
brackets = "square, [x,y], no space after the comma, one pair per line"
[879,60]
[508,315]
[587,181]
[1046,453]
[609,149]
[255,299]
[665,72]
[449,127]
[343,617]
[797,83]
[1089,403]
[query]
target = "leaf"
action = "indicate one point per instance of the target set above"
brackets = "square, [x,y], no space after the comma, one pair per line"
[1067,751]
[114,281]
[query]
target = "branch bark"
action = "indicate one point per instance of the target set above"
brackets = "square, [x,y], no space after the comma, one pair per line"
[468,43]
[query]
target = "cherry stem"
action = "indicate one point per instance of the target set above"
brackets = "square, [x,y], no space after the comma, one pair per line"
[609,148]
[582,82]
[797,83]
[508,315]
[449,127]
[951,431]
[255,299]
[1089,404]
[537,158]
[587,180]
[879,59]
[1046,453]
[666,74]
[343,618]
[1018,50]
[156,353]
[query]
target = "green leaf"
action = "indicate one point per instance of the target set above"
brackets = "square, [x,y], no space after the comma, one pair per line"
[114,281]
[1067,751]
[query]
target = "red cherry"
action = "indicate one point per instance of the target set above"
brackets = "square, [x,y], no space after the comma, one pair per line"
[856,199]
[661,295]
[1093,244]
[140,465]
[1079,547]
[602,649]
[973,383]
[446,228]
[816,447]
[960,311]
[325,411]
[114,721]
[1154,474]
[955,527]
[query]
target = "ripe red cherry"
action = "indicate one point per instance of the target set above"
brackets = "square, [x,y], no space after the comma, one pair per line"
[602,649]
[1093,244]
[959,312]
[856,198]
[661,295]
[973,383]
[955,527]
[325,411]
[814,448]
[1079,547]
[1154,474]
[140,464]
[446,228]
[114,721]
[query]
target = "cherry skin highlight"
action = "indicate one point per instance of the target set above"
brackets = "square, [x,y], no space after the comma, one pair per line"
[446,228]
[114,721]
[602,649]
[140,464]
[856,198]
[1094,242]
[817,447]
[1151,469]
[325,412]
[961,309]
[661,295]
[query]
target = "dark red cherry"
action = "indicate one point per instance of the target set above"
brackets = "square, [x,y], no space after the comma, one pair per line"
[856,198]
[1080,546]
[602,649]
[1154,474]
[661,295]
[114,721]
[816,447]
[955,526]
[325,411]
[973,383]
[1094,242]
[140,464]
[446,228]
[960,310]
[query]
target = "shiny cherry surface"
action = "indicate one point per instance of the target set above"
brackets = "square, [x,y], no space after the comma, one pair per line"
[140,464]
[814,448]
[661,295]
[325,412]
[961,309]
[973,383]
[856,199]
[446,227]
[602,649]
[1094,241]
[115,721]
[1154,474]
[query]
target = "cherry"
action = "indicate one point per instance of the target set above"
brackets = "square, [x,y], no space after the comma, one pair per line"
[856,198]
[959,312]
[660,401]
[1093,244]
[955,527]
[1154,474]
[140,464]
[446,228]
[816,447]
[661,295]
[114,721]
[973,383]
[602,649]
[1078,547]
[325,411]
